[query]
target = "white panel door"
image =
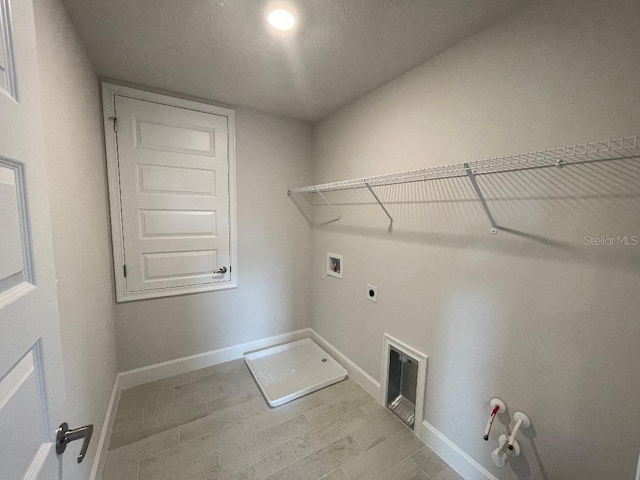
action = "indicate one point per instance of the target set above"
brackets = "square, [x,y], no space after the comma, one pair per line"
[31,376]
[174,187]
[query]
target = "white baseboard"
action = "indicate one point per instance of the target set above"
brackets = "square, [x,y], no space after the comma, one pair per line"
[457,458]
[361,377]
[139,376]
[105,433]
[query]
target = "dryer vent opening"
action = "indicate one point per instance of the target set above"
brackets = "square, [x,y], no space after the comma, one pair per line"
[405,382]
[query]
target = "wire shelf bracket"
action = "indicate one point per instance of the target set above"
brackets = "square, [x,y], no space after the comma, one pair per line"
[380,203]
[625,148]
[476,187]
[338,217]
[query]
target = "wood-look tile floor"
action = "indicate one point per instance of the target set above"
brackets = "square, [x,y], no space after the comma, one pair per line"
[214,424]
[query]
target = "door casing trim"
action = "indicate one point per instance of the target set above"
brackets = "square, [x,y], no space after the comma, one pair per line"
[109,91]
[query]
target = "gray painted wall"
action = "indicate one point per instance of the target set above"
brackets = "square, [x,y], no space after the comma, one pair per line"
[274,253]
[532,315]
[78,200]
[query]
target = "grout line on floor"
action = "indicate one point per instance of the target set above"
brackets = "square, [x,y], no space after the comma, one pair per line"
[350,395]
[358,443]
[394,466]
[139,460]
[332,472]
[291,447]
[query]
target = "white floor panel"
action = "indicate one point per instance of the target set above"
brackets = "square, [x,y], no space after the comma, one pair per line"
[289,371]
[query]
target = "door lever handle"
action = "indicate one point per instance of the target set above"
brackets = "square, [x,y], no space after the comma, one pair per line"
[65,435]
[221,270]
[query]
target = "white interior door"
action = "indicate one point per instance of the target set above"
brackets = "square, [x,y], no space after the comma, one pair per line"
[31,376]
[174,186]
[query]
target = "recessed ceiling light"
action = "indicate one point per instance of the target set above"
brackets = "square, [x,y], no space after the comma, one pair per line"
[281,19]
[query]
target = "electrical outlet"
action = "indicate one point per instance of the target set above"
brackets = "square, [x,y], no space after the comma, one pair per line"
[372,293]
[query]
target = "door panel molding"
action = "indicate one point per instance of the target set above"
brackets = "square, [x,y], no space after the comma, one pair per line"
[25,408]
[15,245]
[8,83]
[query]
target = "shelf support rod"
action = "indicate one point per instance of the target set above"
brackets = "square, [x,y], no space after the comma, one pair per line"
[328,204]
[476,187]
[380,203]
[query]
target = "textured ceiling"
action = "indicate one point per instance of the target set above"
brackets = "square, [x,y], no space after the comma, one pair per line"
[223,50]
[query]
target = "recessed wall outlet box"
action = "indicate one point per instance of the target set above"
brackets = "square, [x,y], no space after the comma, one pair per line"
[372,293]
[335,265]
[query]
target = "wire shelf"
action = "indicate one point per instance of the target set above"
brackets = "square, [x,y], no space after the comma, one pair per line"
[615,149]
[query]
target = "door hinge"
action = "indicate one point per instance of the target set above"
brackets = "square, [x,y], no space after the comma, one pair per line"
[124,267]
[115,123]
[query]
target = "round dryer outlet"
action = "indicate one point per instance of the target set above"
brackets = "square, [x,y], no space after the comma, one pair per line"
[372,293]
